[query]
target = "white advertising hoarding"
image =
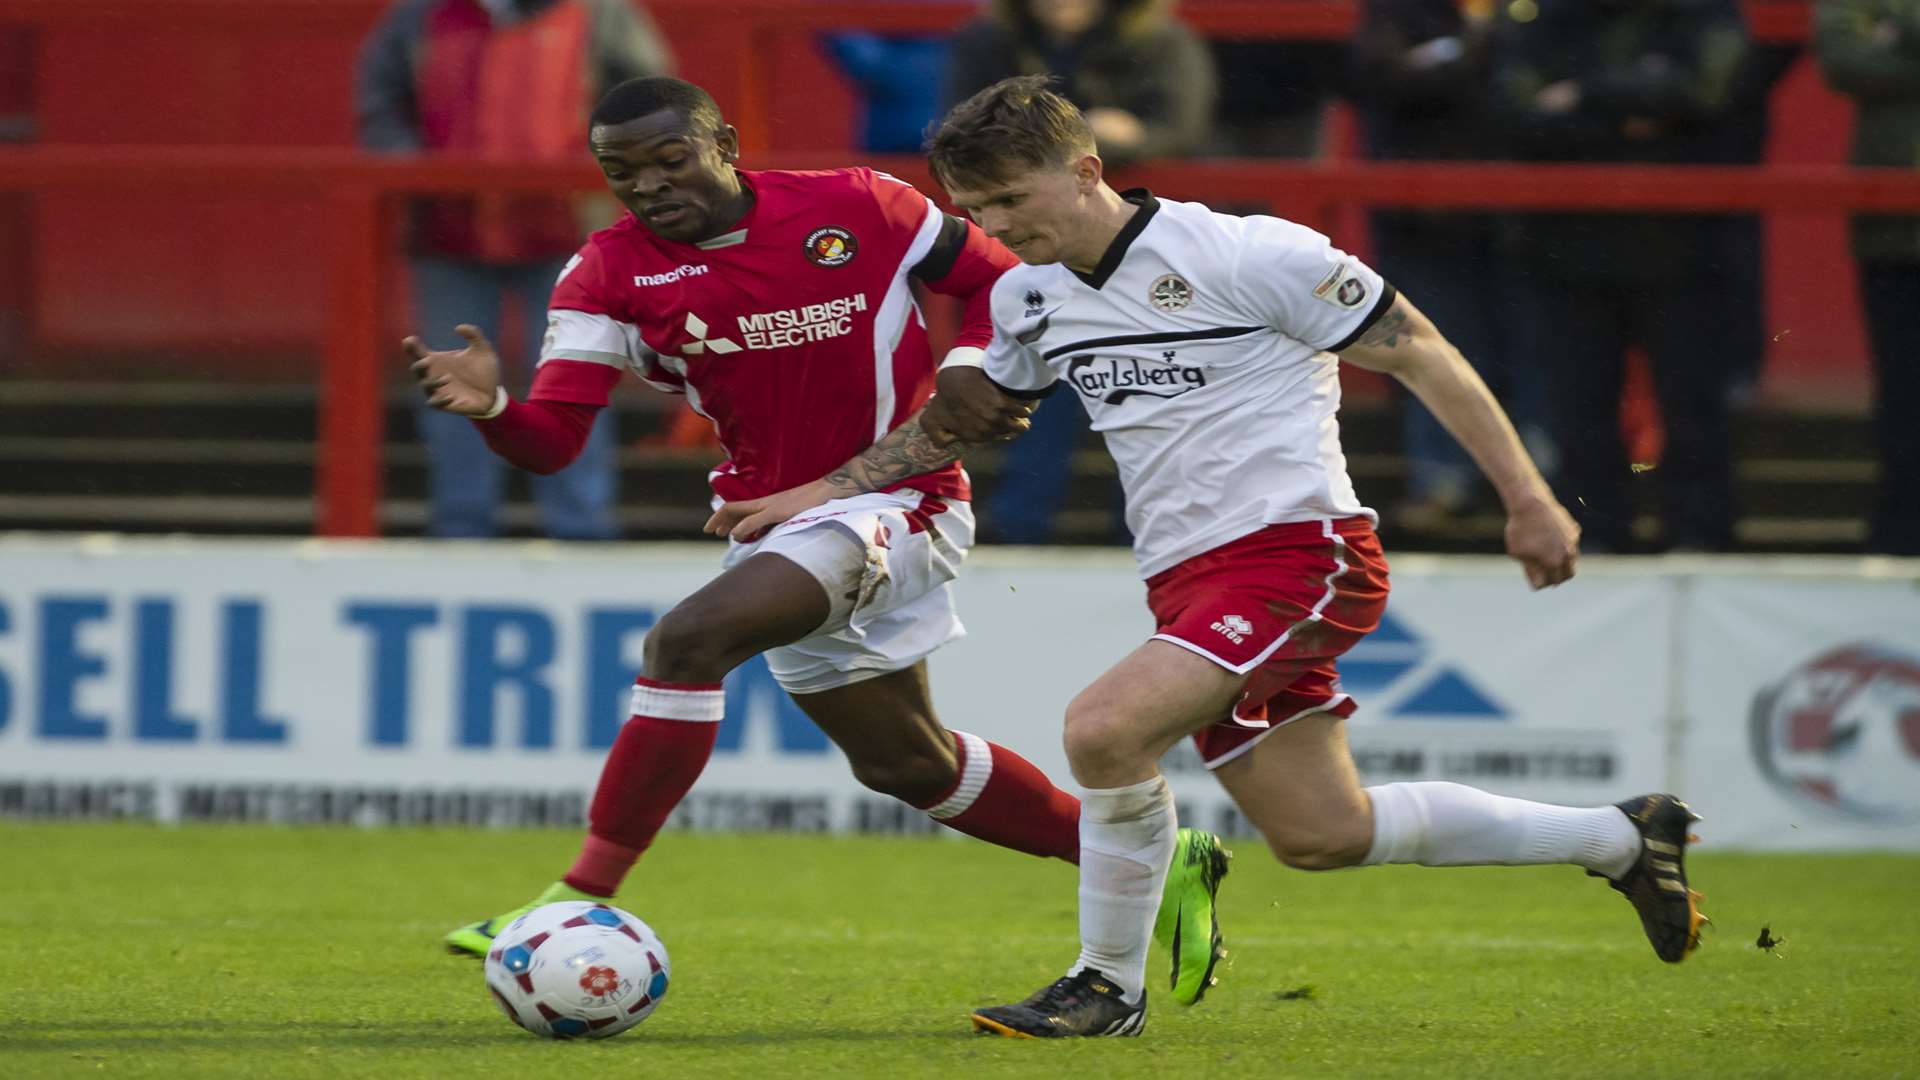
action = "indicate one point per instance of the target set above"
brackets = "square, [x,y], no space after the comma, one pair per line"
[1802,710]
[374,683]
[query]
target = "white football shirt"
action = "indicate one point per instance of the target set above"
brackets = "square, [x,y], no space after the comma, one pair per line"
[1201,347]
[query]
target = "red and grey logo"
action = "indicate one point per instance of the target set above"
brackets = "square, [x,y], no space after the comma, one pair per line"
[1842,732]
[831,245]
[600,981]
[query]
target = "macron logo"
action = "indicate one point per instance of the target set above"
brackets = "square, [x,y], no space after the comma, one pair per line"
[1234,628]
[669,277]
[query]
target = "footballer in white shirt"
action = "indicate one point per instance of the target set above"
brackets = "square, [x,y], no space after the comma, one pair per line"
[1205,348]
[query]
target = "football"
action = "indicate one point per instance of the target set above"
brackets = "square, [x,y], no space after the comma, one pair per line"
[577,970]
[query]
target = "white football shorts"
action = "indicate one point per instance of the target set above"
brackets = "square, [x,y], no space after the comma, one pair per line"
[887,561]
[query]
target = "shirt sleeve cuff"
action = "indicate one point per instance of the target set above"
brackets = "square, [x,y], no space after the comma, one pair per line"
[500,400]
[965,356]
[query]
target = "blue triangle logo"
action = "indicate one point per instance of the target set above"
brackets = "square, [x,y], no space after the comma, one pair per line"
[1391,631]
[1449,694]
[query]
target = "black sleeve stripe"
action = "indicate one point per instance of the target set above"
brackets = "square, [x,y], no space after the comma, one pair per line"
[946,250]
[1026,395]
[1380,308]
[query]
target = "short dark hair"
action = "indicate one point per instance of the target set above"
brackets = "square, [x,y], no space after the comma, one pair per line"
[636,98]
[1015,124]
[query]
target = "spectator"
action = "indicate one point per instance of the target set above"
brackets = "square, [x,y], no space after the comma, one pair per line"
[1145,81]
[899,83]
[498,79]
[1273,98]
[1147,85]
[1870,51]
[1741,139]
[1619,81]
[1420,76]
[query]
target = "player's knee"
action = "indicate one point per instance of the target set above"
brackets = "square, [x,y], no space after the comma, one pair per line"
[690,645]
[1100,740]
[917,775]
[1327,848]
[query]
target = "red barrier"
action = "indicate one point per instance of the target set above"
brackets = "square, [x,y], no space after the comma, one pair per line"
[272,243]
[358,188]
[228,280]
[204,71]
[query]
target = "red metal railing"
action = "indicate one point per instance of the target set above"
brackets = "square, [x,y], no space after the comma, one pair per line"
[750,53]
[358,360]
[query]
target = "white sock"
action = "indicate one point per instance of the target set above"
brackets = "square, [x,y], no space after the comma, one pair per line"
[1126,843]
[1435,823]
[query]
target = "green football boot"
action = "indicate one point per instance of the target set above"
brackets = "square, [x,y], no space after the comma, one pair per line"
[1187,926]
[474,939]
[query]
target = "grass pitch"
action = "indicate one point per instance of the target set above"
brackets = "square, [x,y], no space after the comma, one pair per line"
[253,951]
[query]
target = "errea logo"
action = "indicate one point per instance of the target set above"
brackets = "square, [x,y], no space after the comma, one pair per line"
[1233,628]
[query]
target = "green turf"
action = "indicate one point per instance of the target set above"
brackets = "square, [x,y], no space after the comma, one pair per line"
[143,951]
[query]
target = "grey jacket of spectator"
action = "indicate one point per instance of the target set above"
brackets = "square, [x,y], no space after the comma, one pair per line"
[625,45]
[1138,58]
[1870,51]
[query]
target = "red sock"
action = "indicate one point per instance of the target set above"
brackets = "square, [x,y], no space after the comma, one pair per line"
[656,758]
[1004,799]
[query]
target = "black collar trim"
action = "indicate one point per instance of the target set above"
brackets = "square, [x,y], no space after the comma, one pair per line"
[1117,250]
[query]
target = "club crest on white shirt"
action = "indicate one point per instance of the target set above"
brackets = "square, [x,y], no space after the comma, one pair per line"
[1342,287]
[1170,292]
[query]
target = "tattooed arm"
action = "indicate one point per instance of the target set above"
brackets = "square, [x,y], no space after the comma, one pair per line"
[907,450]
[1403,344]
[970,410]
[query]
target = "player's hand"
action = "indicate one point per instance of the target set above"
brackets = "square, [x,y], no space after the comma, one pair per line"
[967,407]
[1542,536]
[463,381]
[748,519]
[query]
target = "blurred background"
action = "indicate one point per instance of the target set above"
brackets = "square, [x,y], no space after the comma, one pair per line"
[216,216]
[1679,238]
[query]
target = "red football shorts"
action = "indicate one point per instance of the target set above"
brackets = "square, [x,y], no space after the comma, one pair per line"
[1278,606]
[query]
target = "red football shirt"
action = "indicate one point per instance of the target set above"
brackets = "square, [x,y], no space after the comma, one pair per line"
[796,333]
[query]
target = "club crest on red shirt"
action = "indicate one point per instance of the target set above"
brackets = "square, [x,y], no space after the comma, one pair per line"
[831,245]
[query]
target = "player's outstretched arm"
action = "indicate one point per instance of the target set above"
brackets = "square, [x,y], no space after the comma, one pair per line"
[542,436]
[1404,344]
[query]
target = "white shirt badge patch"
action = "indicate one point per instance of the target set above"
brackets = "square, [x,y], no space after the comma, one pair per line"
[1170,293]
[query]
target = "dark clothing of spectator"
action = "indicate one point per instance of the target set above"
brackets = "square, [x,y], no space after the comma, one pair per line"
[1870,51]
[1626,81]
[1273,97]
[1420,76]
[1741,139]
[1135,58]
